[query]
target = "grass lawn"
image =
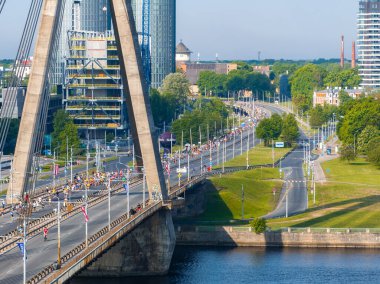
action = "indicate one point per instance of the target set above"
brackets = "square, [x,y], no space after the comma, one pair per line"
[350,198]
[224,195]
[259,155]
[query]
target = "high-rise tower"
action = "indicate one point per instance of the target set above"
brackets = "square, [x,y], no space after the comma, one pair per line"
[95,15]
[163,36]
[369,43]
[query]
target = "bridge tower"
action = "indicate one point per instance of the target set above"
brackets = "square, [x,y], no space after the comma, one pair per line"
[137,99]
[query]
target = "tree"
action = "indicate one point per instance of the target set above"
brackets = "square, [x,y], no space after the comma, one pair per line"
[316,117]
[284,86]
[362,112]
[303,83]
[235,83]
[178,86]
[373,151]
[290,130]
[343,78]
[277,124]
[70,135]
[257,82]
[259,225]
[163,107]
[281,68]
[344,97]
[368,134]
[348,153]
[205,117]
[210,82]
[269,129]
[59,121]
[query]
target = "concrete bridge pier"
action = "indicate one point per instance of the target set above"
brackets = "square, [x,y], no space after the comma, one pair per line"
[147,250]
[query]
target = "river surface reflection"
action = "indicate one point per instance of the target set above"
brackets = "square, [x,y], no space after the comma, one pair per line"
[258,265]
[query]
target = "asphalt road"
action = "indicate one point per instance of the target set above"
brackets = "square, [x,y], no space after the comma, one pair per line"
[41,254]
[293,196]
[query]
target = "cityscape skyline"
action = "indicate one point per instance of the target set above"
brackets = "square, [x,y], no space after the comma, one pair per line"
[300,22]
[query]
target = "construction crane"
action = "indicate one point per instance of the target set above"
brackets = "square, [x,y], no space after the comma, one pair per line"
[145,44]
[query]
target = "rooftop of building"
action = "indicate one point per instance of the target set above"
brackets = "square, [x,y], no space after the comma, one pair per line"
[182,48]
[338,89]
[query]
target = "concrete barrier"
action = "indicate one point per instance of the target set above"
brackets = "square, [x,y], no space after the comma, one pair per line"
[288,237]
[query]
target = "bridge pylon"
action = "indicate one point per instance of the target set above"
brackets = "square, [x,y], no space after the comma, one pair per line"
[137,99]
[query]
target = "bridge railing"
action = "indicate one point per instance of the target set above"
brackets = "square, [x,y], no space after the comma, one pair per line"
[200,228]
[10,240]
[79,257]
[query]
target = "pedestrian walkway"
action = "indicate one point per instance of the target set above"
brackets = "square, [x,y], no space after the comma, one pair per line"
[320,176]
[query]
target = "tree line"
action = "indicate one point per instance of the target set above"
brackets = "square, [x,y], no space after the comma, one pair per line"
[214,84]
[275,127]
[359,129]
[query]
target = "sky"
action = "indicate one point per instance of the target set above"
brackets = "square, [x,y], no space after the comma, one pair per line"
[238,29]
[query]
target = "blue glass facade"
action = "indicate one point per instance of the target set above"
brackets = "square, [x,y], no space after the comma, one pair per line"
[163,36]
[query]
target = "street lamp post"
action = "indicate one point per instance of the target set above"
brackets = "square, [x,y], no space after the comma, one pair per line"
[87,160]
[86,210]
[128,206]
[241,141]
[144,187]
[247,158]
[314,187]
[71,165]
[233,144]
[109,203]
[242,201]
[188,164]
[224,154]
[273,152]
[286,205]
[67,154]
[24,252]
[59,232]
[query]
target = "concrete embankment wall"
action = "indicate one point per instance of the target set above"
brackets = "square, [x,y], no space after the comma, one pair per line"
[244,237]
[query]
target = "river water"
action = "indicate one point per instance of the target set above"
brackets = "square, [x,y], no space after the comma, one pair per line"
[193,265]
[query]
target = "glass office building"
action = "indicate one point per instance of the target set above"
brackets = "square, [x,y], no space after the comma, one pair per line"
[95,15]
[163,36]
[369,43]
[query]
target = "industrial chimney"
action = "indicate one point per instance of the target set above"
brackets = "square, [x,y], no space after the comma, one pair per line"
[353,58]
[342,53]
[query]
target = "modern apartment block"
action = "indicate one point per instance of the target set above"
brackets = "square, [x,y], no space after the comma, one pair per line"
[93,89]
[162,34]
[369,43]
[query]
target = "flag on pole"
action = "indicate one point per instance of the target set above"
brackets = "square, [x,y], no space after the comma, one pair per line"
[56,170]
[167,168]
[126,187]
[83,208]
[21,247]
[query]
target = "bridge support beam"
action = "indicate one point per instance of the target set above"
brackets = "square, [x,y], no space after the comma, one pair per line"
[137,99]
[138,103]
[27,135]
[147,250]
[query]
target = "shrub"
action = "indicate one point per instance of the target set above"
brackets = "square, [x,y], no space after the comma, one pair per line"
[259,225]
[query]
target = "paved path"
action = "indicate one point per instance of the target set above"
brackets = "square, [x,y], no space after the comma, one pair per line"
[294,192]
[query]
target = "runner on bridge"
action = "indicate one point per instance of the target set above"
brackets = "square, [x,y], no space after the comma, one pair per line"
[46,230]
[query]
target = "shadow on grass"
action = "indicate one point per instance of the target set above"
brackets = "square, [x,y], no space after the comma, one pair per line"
[358,203]
[211,209]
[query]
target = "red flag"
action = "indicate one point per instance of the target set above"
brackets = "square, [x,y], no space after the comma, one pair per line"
[56,170]
[167,168]
[84,213]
